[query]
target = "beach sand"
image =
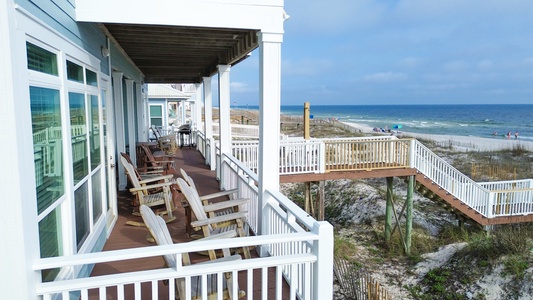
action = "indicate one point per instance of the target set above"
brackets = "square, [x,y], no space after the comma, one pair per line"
[462,143]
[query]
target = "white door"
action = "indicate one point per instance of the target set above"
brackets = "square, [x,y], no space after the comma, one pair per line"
[109,151]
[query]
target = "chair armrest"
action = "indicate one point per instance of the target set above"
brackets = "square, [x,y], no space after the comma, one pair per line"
[219,219]
[164,177]
[219,194]
[149,187]
[224,204]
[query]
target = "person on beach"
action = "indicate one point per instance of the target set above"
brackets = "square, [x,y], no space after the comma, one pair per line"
[516,135]
[508,135]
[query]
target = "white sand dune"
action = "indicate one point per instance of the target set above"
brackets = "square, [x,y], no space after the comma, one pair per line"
[465,143]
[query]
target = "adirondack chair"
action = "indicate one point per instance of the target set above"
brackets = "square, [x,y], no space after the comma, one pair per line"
[152,172]
[151,192]
[155,132]
[168,143]
[218,223]
[159,230]
[206,197]
[167,165]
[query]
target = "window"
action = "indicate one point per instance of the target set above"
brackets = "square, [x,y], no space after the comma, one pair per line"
[97,195]
[78,126]
[156,115]
[74,72]
[47,139]
[41,60]
[92,79]
[82,214]
[50,239]
[94,132]
[65,219]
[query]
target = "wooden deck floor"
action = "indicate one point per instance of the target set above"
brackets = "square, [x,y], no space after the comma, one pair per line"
[125,236]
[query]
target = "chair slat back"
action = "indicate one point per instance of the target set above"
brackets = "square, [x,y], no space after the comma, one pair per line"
[193,199]
[131,172]
[149,155]
[159,230]
[189,180]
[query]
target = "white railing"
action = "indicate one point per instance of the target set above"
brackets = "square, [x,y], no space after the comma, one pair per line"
[301,156]
[450,179]
[239,131]
[298,156]
[512,197]
[279,216]
[297,247]
[199,137]
[150,284]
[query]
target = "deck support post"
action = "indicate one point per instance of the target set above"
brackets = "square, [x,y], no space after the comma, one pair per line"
[308,198]
[320,200]
[388,210]
[409,215]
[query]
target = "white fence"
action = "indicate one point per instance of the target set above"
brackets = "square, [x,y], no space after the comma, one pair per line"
[280,216]
[132,284]
[298,156]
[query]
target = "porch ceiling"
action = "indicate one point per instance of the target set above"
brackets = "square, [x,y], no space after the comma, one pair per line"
[175,54]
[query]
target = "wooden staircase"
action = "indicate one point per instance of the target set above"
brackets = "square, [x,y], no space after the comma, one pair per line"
[433,191]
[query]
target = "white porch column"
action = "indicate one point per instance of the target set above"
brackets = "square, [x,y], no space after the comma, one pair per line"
[269,119]
[119,126]
[208,122]
[197,115]
[142,125]
[183,113]
[224,111]
[131,120]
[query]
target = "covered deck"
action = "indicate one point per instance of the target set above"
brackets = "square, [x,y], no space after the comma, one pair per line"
[124,236]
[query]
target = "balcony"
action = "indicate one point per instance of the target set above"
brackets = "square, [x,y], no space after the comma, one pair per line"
[292,258]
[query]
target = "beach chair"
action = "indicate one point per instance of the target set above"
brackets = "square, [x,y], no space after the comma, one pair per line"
[167,165]
[207,197]
[159,230]
[151,192]
[144,174]
[219,223]
[155,132]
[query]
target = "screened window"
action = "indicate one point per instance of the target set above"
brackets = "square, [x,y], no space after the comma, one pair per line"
[47,151]
[78,125]
[41,60]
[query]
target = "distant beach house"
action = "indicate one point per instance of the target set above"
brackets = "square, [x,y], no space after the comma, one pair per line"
[171,104]
[73,96]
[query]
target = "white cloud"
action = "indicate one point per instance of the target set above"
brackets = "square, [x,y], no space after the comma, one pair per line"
[385,77]
[239,87]
[410,62]
[456,66]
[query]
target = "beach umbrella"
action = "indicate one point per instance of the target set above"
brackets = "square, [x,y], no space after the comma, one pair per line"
[397,126]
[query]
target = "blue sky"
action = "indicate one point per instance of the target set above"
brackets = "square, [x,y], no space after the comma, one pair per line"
[400,52]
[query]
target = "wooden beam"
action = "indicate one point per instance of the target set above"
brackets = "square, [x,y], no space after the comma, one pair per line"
[355,174]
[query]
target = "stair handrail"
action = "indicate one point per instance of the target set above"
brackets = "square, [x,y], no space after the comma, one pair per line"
[452,180]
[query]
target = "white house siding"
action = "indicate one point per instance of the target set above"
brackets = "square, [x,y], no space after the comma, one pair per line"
[49,25]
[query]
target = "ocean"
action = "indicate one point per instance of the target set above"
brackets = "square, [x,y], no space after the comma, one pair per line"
[464,120]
